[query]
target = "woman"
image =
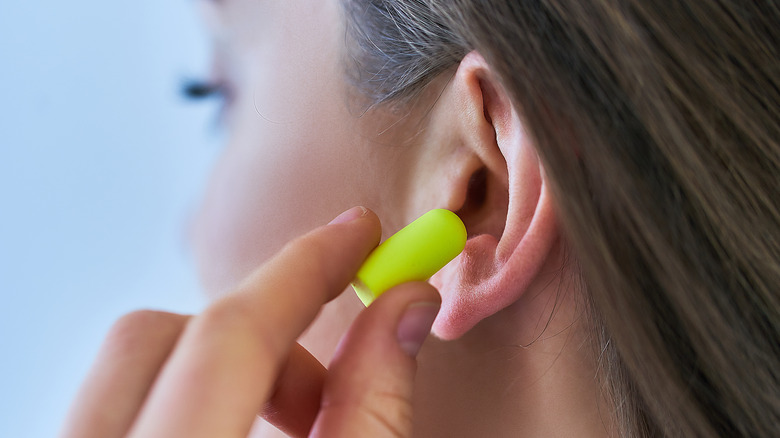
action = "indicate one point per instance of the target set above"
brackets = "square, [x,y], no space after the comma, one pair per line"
[615,164]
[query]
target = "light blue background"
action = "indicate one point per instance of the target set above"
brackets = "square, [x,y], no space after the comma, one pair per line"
[101,163]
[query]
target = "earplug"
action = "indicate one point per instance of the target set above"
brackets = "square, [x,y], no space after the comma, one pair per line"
[414,253]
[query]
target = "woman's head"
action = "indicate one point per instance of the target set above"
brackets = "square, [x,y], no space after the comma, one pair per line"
[658,125]
[647,131]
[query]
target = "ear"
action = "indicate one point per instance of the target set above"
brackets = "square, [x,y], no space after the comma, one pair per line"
[493,179]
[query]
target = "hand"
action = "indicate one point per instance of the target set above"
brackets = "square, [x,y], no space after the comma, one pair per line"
[210,375]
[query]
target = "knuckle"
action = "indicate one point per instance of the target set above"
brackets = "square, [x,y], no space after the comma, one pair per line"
[233,314]
[393,413]
[222,315]
[401,425]
[136,321]
[310,246]
[231,318]
[314,255]
[386,411]
[134,329]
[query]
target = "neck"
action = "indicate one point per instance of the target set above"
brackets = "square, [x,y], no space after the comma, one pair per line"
[529,370]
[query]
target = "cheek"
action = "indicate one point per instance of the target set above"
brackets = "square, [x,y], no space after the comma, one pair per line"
[262,195]
[297,158]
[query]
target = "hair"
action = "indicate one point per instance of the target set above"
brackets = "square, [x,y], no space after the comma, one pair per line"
[658,125]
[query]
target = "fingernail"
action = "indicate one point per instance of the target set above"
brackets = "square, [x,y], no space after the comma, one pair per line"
[415,326]
[349,215]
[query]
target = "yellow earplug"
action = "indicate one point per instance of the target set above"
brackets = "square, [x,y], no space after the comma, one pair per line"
[414,253]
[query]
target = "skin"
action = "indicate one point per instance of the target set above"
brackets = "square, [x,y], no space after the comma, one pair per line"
[276,180]
[298,150]
[302,148]
[241,351]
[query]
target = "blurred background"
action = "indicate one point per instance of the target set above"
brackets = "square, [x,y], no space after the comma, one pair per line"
[101,163]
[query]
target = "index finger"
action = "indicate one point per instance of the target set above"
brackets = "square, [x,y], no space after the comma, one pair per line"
[225,365]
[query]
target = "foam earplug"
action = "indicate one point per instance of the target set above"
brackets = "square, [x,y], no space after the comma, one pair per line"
[414,253]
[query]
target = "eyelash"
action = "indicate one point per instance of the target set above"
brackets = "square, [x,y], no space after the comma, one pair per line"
[199,90]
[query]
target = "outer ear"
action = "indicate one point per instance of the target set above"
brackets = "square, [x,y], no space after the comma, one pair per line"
[505,204]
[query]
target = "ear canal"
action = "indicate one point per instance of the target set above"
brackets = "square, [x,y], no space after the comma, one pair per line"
[476,193]
[485,205]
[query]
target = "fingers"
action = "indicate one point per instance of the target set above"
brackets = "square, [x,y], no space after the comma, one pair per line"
[128,361]
[228,358]
[296,399]
[370,384]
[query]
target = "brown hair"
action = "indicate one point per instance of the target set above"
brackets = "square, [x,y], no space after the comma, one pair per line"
[658,123]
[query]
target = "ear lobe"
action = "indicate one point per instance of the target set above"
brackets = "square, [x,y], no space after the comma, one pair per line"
[506,205]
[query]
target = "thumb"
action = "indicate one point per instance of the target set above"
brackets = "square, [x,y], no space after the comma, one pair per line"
[371,379]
